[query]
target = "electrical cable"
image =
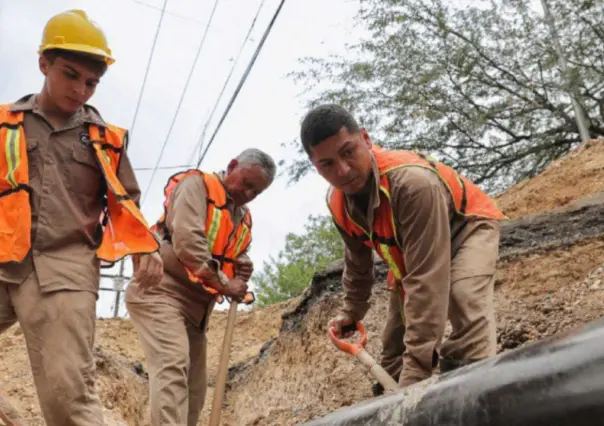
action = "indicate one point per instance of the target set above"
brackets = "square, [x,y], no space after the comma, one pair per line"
[201,44]
[199,144]
[242,81]
[140,96]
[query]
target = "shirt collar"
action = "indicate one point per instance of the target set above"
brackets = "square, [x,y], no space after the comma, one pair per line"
[374,183]
[86,114]
[238,212]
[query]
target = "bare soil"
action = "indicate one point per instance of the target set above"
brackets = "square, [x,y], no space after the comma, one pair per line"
[565,180]
[283,371]
[121,375]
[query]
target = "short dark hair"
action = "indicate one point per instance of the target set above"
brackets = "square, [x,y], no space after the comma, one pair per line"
[95,63]
[323,122]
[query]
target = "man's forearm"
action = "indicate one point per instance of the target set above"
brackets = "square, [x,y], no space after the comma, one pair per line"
[357,278]
[356,303]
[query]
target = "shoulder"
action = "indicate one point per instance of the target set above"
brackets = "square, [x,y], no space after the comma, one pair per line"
[193,181]
[192,187]
[92,115]
[413,179]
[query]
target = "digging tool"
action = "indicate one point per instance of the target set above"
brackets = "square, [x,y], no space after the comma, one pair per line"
[8,412]
[357,349]
[223,367]
[4,419]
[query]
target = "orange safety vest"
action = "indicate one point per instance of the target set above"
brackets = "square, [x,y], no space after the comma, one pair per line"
[125,230]
[225,241]
[468,198]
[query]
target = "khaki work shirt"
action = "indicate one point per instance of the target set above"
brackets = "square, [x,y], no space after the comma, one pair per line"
[68,190]
[187,246]
[432,233]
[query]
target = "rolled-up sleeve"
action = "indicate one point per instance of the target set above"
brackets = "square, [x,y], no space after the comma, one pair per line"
[421,210]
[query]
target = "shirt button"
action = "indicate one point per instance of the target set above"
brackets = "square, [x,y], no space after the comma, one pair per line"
[50,161]
[47,190]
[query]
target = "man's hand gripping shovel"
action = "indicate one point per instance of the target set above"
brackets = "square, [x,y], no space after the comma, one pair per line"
[223,367]
[357,349]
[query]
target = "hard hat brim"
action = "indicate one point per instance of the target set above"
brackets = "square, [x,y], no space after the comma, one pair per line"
[93,51]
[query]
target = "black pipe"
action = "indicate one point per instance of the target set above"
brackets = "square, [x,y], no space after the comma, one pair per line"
[557,381]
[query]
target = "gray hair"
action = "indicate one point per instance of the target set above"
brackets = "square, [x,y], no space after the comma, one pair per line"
[256,157]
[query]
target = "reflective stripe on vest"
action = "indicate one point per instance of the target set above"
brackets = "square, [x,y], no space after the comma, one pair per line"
[125,230]
[469,200]
[15,213]
[225,242]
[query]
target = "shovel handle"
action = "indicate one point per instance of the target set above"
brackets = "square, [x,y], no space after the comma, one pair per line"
[351,348]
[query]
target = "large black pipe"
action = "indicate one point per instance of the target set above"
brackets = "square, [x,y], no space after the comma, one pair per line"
[554,382]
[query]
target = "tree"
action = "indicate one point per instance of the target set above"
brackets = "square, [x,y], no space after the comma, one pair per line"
[477,87]
[290,273]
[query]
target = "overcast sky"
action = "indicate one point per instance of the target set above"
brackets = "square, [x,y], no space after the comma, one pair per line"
[266,113]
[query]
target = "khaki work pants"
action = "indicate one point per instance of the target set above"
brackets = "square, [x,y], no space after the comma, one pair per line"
[175,350]
[59,332]
[472,315]
[471,309]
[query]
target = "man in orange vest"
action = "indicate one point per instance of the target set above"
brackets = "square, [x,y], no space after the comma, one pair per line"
[437,232]
[68,200]
[205,232]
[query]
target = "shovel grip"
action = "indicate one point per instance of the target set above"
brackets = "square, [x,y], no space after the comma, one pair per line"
[352,348]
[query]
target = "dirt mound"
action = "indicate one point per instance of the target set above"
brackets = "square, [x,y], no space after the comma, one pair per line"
[550,278]
[302,376]
[565,180]
[121,374]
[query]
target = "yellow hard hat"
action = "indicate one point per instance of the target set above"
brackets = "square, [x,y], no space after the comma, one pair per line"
[72,30]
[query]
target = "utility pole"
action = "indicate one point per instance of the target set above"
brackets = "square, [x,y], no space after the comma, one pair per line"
[118,283]
[572,88]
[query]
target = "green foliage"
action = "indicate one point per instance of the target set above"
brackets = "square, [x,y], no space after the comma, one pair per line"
[288,274]
[478,87]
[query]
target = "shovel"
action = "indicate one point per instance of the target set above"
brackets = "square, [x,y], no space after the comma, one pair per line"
[9,415]
[223,367]
[357,349]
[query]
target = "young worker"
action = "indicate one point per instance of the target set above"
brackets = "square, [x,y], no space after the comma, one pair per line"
[68,199]
[436,230]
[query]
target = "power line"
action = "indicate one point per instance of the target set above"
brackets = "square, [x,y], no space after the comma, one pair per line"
[202,135]
[182,96]
[242,81]
[183,166]
[176,15]
[140,96]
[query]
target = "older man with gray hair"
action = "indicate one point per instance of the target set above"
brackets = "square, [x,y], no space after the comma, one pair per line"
[206,233]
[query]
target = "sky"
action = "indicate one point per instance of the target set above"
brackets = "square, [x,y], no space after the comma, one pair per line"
[266,113]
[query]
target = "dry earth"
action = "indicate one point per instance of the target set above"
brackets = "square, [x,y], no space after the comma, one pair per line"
[550,278]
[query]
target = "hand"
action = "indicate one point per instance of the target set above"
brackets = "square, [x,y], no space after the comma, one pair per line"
[340,321]
[148,270]
[244,268]
[235,288]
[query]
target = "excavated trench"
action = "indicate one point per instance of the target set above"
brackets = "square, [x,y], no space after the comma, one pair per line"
[299,376]
[520,237]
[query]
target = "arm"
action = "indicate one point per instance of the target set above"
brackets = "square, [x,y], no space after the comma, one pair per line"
[358,277]
[421,213]
[185,220]
[148,268]
[244,267]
